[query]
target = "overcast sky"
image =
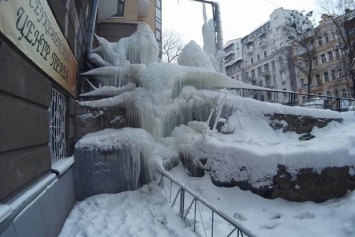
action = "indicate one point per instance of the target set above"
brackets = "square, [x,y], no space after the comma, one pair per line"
[239,17]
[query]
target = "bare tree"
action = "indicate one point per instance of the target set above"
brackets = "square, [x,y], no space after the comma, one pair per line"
[300,32]
[172,45]
[342,14]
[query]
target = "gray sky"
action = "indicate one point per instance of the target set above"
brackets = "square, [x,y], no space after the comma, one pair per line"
[239,17]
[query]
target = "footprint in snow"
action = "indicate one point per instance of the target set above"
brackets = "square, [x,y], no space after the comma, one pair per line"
[239,217]
[305,215]
[269,226]
[276,216]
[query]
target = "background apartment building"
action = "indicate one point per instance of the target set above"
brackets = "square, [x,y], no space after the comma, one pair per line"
[264,59]
[330,63]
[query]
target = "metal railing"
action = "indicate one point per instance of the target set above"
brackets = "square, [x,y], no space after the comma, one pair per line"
[290,98]
[195,200]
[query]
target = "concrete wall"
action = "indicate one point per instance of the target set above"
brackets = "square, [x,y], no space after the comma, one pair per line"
[25,156]
[25,95]
[46,213]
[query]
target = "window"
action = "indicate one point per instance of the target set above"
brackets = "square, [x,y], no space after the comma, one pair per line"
[324,60]
[336,93]
[259,71]
[318,80]
[337,53]
[326,77]
[246,75]
[265,54]
[251,60]
[299,64]
[158,28]
[333,74]
[273,65]
[246,63]
[253,73]
[315,61]
[285,94]
[343,93]
[341,72]
[307,64]
[329,93]
[330,56]
[57,126]
[266,67]
[120,8]
[258,57]
[281,60]
[302,82]
[158,13]
[320,40]
[237,77]
[326,37]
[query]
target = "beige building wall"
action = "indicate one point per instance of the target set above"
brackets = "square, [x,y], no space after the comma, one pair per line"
[328,74]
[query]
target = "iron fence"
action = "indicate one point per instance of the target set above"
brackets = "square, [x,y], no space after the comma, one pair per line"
[193,209]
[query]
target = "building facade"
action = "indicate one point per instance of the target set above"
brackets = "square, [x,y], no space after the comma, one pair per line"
[263,60]
[330,72]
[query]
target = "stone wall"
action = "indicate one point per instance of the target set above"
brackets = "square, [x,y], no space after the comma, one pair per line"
[298,123]
[88,120]
[306,185]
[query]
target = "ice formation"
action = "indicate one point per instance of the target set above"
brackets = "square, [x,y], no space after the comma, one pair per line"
[168,97]
[193,56]
[140,48]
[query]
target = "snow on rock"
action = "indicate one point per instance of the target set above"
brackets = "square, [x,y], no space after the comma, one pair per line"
[135,139]
[254,150]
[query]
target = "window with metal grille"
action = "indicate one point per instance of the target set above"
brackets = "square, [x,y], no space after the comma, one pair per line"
[57,126]
[120,8]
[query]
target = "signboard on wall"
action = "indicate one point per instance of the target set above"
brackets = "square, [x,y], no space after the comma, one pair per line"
[31,26]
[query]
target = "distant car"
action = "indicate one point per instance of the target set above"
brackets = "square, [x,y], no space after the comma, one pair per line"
[316,103]
[351,106]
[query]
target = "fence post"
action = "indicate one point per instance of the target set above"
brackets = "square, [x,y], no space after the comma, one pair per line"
[182,202]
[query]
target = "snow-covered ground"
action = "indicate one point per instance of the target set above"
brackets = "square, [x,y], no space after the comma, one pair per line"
[146,212]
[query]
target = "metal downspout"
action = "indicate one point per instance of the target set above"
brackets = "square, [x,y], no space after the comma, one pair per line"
[90,29]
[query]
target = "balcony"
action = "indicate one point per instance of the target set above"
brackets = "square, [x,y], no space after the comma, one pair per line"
[266,74]
[262,43]
[249,50]
[229,51]
[143,7]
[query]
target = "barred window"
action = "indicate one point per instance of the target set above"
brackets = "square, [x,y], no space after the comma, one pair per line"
[57,126]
